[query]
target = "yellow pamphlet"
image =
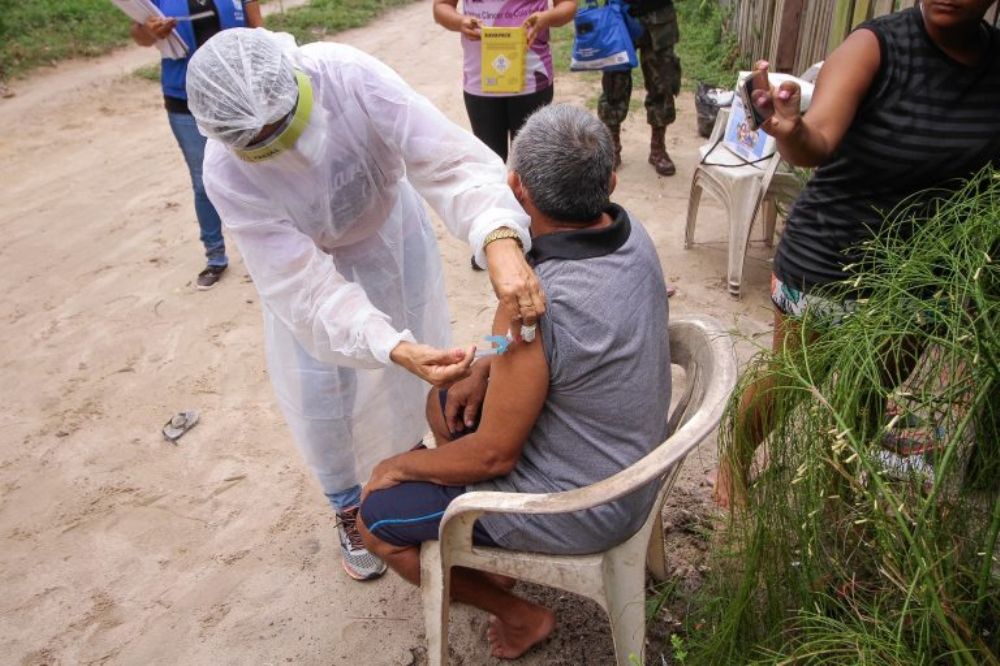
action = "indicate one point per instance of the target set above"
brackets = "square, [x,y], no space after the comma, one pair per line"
[503,53]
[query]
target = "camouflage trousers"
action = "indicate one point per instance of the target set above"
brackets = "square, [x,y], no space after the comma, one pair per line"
[661,69]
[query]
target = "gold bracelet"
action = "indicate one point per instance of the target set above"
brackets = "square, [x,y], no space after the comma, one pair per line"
[500,233]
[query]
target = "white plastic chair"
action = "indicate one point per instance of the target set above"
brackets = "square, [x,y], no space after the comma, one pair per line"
[744,190]
[615,578]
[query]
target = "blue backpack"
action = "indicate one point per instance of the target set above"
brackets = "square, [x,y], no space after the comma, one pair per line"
[604,38]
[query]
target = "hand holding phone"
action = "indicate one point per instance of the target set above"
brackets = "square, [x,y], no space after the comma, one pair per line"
[776,110]
[755,93]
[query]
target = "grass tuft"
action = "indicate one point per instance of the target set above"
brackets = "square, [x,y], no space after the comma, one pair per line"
[843,554]
[708,51]
[149,72]
[322,18]
[34,33]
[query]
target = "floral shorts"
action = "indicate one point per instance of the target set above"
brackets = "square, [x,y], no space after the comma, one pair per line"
[794,302]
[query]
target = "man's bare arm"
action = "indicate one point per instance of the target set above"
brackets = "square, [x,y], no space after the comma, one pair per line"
[519,383]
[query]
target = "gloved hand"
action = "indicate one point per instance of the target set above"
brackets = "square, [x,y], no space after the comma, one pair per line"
[439,367]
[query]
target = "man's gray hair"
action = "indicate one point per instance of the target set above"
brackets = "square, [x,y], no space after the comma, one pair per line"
[564,157]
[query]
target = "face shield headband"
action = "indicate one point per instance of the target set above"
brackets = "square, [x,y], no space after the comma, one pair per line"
[285,139]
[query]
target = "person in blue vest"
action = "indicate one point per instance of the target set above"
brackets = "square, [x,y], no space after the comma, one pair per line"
[199,20]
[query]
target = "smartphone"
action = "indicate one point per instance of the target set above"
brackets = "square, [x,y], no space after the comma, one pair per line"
[756,115]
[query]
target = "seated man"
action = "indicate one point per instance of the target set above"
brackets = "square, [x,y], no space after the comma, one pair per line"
[582,402]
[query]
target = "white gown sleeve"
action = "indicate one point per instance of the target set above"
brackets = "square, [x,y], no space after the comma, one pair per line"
[330,316]
[464,181]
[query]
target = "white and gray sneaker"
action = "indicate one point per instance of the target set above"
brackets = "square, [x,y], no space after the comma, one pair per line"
[358,562]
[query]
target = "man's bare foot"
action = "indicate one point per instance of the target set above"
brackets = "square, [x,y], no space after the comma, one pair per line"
[530,626]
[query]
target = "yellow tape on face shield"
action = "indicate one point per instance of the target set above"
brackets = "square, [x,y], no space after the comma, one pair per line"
[286,138]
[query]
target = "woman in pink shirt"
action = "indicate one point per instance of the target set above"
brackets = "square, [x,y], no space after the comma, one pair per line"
[496,117]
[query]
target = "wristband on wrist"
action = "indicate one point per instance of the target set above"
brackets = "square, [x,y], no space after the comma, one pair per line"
[499,234]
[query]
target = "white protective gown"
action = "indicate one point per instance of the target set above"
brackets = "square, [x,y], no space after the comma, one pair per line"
[344,256]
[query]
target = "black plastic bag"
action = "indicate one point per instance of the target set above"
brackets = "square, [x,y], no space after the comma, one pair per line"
[707,105]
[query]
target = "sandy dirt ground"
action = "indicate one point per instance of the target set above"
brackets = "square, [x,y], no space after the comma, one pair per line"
[118,547]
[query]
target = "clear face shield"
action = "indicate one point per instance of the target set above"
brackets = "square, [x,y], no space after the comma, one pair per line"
[299,142]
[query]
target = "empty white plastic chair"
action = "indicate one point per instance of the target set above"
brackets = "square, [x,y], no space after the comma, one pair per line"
[745,190]
[614,578]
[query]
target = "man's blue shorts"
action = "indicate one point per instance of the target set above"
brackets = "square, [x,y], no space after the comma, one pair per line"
[410,513]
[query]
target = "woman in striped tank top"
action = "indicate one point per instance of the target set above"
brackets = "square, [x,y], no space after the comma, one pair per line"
[908,102]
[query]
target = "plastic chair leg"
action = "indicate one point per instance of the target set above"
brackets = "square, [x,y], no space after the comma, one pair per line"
[435,595]
[656,556]
[740,223]
[694,200]
[770,214]
[626,603]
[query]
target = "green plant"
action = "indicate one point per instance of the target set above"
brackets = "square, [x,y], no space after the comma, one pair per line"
[148,72]
[321,18]
[658,596]
[707,49]
[41,32]
[847,553]
[680,653]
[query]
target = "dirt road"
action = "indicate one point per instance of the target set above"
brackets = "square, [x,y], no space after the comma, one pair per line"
[118,547]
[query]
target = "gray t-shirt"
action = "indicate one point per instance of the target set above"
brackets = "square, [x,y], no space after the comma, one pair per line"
[605,339]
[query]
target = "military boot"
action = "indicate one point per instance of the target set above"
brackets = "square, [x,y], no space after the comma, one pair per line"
[658,155]
[616,137]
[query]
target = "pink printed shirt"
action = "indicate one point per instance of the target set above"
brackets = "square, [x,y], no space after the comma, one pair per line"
[507,13]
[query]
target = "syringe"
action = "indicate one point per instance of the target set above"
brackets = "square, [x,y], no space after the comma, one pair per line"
[498,345]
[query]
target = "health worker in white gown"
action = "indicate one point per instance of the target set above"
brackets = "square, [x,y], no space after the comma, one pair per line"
[317,160]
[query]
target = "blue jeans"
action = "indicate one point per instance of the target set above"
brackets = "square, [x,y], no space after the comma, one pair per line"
[345,499]
[192,144]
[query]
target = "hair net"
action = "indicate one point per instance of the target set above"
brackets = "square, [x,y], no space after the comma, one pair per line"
[239,81]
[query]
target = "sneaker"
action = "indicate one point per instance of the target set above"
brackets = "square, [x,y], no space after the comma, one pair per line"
[210,276]
[358,562]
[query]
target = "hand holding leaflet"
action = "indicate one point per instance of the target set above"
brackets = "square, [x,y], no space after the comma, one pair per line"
[141,10]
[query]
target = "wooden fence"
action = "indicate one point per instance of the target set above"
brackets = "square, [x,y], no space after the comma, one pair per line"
[793,34]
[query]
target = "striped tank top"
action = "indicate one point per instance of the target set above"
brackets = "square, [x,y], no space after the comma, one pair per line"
[926,122]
